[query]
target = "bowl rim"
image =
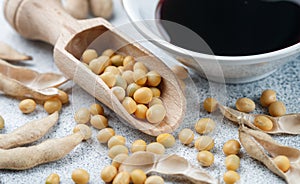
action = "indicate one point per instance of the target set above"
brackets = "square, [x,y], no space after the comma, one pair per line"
[250,59]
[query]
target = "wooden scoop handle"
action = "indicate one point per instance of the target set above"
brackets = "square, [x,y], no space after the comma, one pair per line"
[41,20]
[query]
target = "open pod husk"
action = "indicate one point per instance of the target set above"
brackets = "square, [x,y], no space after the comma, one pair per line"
[166,164]
[287,124]
[23,82]
[10,54]
[263,148]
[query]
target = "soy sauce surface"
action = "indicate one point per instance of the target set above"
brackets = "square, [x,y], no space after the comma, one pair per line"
[233,27]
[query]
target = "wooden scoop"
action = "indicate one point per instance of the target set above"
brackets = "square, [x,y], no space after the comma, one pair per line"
[47,21]
[166,164]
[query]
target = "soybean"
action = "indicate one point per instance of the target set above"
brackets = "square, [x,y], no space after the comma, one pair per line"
[139,77]
[140,66]
[282,162]
[277,109]
[129,104]
[63,97]
[52,105]
[156,92]
[108,52]
[204,143]
[141,110]
[122,178]
[117,60]
[167,140]
[245,105]
[231,177]
[263,123]
[108,173]
[138,176]
[232,162]
[205,125]
[154,180]
[210,104]
[105,134]
[186,136]
[156,148]
[96,109]
[231,147]
[143,95]
[128,76]
[156,113]
[53,179]
[116,140]
[82,116]
[267,97]
[131,88]
[153,78]
[116,150]
[84,129]
[27,106]
[99,122]
[205,158]
[80,176]
[109,79]
[138,145]
[119,92]
[88,55]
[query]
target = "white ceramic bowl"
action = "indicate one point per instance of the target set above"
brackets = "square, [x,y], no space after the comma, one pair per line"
[235,69]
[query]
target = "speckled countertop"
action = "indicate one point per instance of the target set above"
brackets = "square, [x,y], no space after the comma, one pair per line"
[92,156]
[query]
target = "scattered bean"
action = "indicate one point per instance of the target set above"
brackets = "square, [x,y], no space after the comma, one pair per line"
[105,134]
[156,148]
[232,162]
[2,123]
[88,55]
[116,140]
[27,106]
[122,178]
[108,173]
[99,122]
[116,150]
[205,158]
[204,143]
[138,145]
[119,159]
[80,176]
[231,147]
[129,104]
[167,140]
[180,72]
[205,125]
[263,123]
[86,131]
[267,97]
[82,116]
[141,110]
[154,180]
[156,113]
[245,105]
[143,95]
[210,104]
[231,177]
[96,109]
[138,176]
[53,179]
[186,136]
[282,162]
[277,109]
[52,105]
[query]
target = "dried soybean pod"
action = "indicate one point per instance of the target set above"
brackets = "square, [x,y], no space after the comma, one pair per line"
[263,148]
[22,158]
[10,54]
[102,8]
[28,133]
[78,9]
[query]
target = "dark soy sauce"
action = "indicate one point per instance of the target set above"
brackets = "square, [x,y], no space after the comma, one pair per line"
[233,27]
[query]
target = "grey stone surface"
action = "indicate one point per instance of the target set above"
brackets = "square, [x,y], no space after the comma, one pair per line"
[92,156]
